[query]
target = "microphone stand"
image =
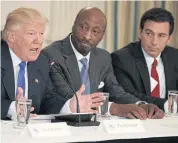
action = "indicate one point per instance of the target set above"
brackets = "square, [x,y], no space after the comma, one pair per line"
[84,116]
[77,101]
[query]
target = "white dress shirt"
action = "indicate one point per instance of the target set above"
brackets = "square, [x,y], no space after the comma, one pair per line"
[15,62]
[160,70]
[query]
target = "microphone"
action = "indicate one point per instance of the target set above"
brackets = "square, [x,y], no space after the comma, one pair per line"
[79,119]
[62,75]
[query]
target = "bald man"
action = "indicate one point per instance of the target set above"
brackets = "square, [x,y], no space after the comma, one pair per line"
[81,62]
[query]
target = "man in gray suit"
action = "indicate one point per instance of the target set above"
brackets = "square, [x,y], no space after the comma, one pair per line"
[79,60]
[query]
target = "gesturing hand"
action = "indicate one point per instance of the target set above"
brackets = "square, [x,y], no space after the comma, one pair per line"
[86,102]
[20,109]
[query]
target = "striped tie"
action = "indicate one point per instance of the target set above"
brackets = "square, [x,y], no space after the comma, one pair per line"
[84,76]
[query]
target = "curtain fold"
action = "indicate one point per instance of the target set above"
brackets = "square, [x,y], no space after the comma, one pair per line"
[124,19]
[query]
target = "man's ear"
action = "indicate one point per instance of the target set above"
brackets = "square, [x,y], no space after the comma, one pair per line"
[139,34]
[73,28]
[10,36]
[169,39]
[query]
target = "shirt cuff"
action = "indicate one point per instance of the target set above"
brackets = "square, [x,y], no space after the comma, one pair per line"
[141,102]
[12,111]
[66,108]
[166,107]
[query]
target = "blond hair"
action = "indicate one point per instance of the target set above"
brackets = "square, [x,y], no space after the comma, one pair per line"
[20,16]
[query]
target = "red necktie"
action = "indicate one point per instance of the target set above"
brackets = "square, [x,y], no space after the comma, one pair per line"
[154,75]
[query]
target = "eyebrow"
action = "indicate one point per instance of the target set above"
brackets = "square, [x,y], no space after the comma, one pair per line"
[153,32]
[88,23]
[149,30]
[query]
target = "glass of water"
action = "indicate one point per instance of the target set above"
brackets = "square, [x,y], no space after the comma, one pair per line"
[23,107]
[172,102]
[103,109]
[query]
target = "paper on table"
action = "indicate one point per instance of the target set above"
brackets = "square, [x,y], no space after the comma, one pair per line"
[123,126]
[49,130]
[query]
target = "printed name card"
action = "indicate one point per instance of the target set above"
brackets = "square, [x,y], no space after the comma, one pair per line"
[49,129]
[123,126]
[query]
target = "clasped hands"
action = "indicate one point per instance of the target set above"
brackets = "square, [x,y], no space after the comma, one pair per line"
[134,111]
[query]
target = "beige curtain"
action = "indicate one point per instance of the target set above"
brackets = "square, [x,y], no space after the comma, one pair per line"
[124,18]
[61,14]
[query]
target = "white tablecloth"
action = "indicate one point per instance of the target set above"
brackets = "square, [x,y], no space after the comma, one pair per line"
[154,128]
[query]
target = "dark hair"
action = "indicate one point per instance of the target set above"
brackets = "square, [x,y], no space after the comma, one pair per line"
[158,15]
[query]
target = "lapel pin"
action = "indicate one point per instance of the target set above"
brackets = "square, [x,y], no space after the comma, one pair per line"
[36,80]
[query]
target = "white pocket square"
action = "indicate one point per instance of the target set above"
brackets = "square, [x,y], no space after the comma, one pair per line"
[101,85]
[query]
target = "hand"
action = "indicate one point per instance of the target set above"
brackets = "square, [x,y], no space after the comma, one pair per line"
[22,98]
[131,111]
[86,102]
[153,112]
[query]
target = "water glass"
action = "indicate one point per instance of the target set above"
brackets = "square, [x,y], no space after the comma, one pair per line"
[172,102]
[23,107]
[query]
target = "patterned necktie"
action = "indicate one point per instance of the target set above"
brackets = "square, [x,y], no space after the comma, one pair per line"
[21,77]
[154,75]
[84,76]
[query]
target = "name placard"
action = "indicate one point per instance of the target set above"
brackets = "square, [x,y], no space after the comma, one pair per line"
[123,126]
[49,129]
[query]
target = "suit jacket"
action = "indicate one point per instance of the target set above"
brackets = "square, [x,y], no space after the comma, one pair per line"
[100,70]
[131,71]
[44,97]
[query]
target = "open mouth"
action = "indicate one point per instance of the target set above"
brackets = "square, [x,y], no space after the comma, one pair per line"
[34,50]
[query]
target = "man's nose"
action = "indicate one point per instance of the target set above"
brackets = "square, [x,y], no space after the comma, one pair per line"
[155,40]
[88,35]
[40,38]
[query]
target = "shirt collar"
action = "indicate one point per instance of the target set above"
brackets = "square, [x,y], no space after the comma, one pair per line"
[77,54]
[15,60]
[149,59]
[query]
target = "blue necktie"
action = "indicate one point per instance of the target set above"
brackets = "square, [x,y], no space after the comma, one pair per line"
[21,77]
[84,76]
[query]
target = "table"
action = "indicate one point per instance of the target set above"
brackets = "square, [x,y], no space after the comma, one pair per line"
[164,130]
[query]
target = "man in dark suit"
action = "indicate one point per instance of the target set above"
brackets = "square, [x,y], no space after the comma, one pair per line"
[24,71]
[70,53]
[134,64]
[21,45]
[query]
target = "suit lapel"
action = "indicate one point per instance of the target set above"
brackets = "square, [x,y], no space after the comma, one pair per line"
[73,69]
[167,70]
[142,67]
[92,71]
[33,83]
[7,72]
[31,76]
[71,63]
